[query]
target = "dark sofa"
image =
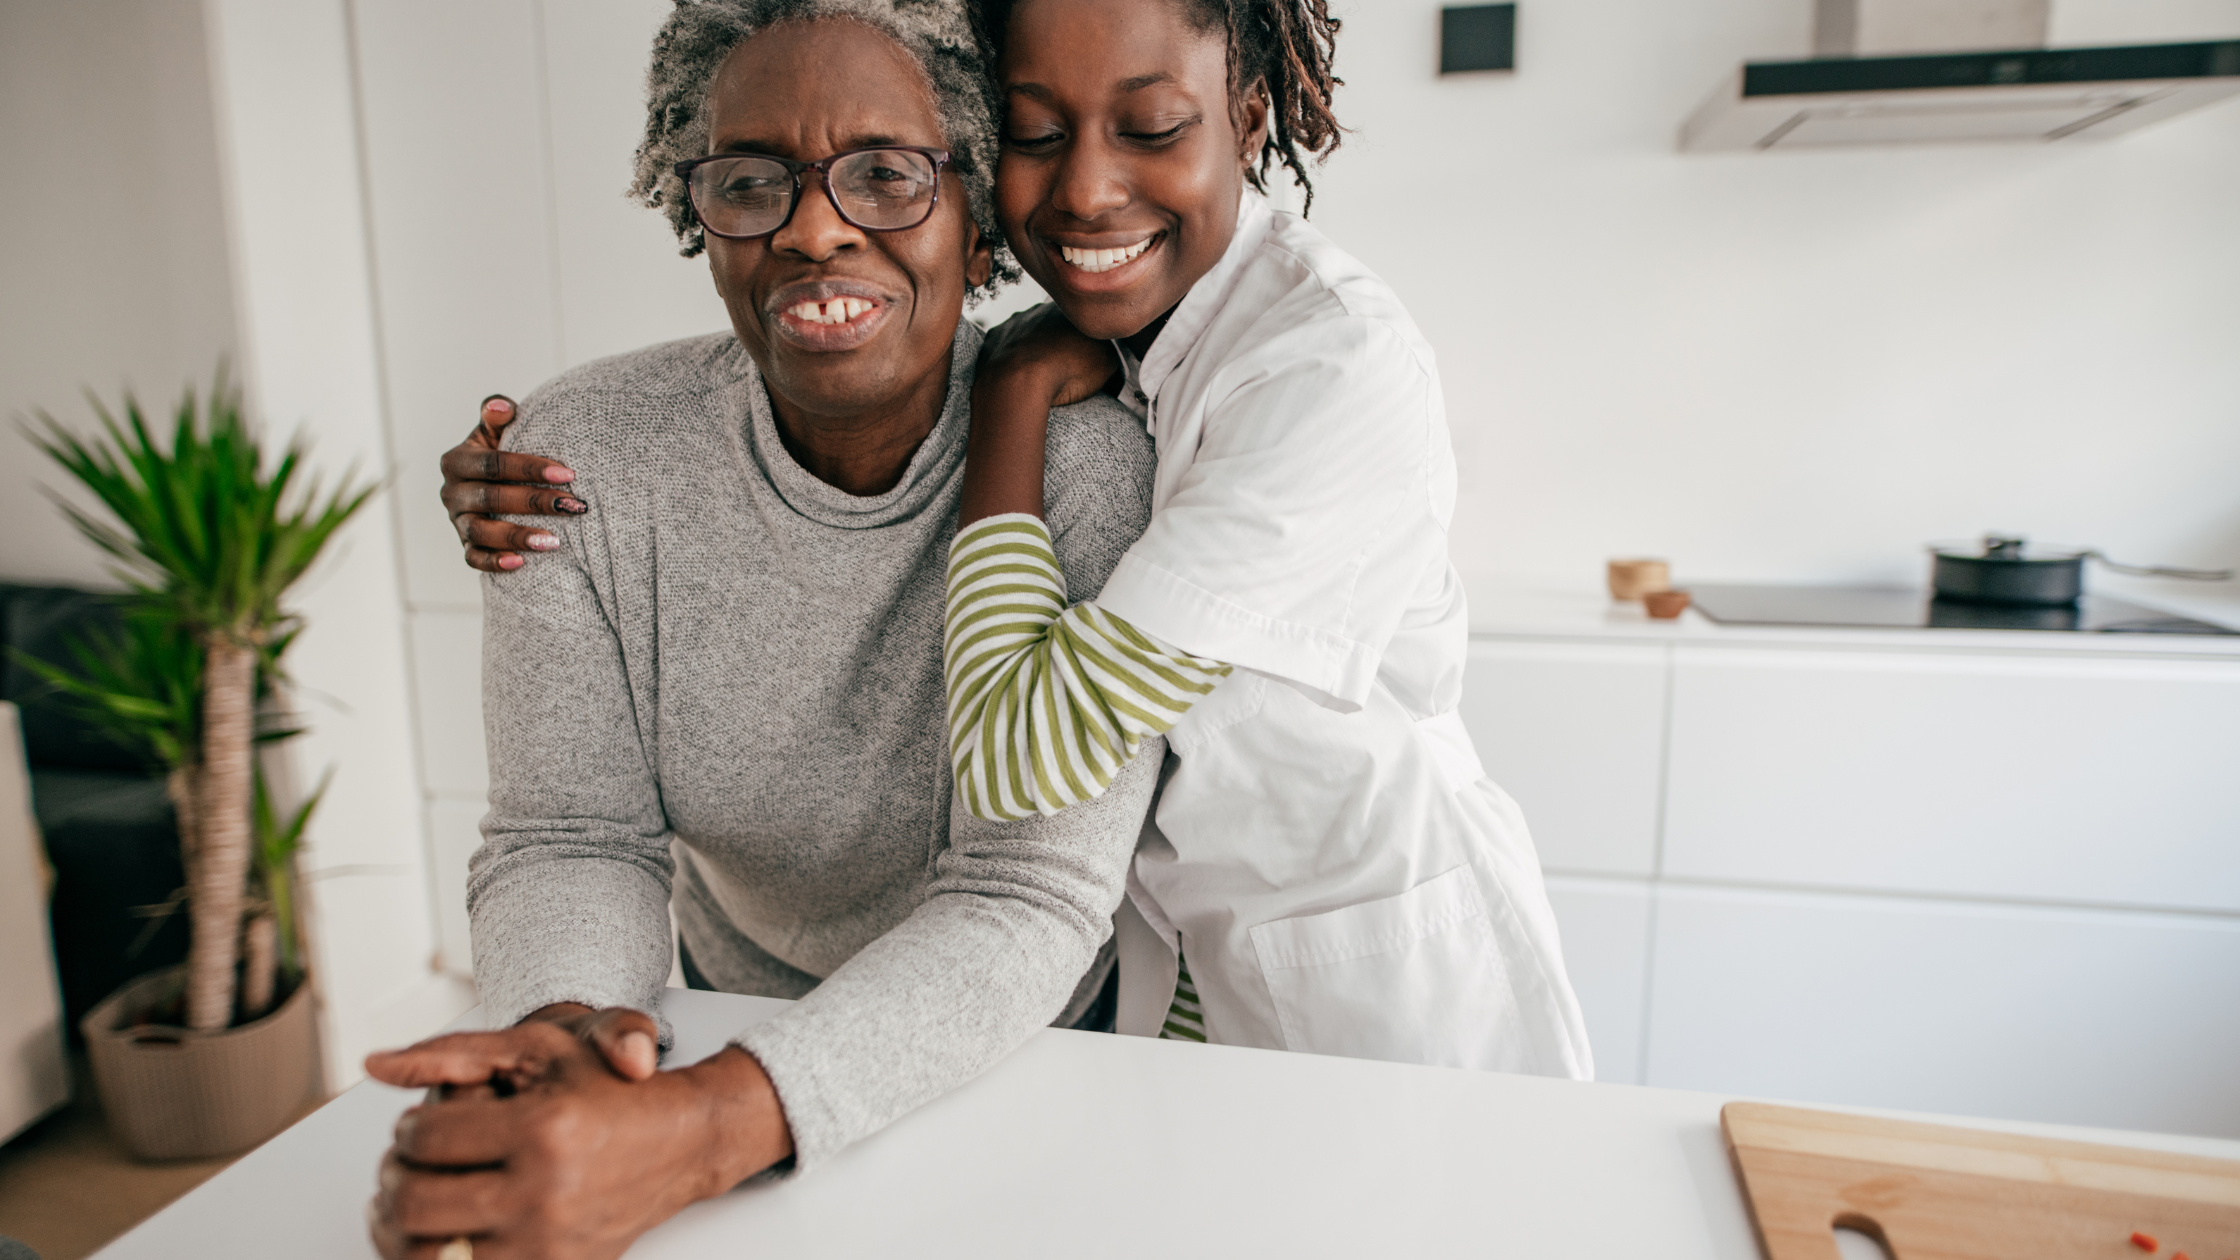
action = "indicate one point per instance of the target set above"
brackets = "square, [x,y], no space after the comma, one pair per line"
[107,822]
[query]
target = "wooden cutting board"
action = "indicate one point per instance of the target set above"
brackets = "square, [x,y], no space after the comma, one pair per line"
[1929,1192]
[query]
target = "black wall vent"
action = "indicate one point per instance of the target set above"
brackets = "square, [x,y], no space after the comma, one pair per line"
[1477,37]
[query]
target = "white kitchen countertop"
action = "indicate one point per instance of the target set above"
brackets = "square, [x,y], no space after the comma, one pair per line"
[1084,1144]
[1509,608]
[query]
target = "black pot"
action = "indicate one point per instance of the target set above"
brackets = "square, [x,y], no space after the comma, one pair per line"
[1968,616]
[2005,570]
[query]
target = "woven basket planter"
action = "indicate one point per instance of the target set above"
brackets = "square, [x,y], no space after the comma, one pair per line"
[174,1094]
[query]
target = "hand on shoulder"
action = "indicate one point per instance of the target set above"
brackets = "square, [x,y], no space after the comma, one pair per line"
[1041,347]
[482,482]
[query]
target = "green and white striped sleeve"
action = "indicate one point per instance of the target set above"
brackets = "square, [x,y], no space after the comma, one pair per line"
[1047,701]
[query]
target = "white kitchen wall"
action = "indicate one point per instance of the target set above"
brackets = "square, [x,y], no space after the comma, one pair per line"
[498,136]
[113,263]
[288,129]
[1793,365]
[498,141]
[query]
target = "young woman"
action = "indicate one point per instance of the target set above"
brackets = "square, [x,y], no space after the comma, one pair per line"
[1329,864]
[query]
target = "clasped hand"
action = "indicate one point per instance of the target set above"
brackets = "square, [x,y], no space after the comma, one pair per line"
[560,1138]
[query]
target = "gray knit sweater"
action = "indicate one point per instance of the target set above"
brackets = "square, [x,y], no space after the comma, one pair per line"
[725,689]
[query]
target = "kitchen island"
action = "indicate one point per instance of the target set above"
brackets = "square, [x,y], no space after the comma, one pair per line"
[1083,1144]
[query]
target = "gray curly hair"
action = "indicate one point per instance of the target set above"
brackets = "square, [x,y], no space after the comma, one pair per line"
[699,34]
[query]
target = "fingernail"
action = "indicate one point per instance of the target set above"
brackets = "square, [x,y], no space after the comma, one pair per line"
[497,405]
[560,476]
[571,505]
[543,542]
[512,562]
[640,1047]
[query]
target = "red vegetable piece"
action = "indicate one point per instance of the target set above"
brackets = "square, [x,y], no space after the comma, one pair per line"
[2145,1242]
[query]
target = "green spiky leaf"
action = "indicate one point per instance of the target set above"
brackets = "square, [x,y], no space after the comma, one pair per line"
[200,523]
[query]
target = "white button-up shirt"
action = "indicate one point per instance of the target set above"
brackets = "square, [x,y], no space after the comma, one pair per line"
[1326,851]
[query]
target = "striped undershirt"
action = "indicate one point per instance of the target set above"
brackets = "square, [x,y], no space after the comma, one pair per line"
[1047,701]
[1186,1019]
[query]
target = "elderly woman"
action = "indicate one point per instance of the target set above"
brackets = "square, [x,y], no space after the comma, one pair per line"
[724,692]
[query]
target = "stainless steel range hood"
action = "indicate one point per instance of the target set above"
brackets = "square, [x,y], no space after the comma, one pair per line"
[1914,71]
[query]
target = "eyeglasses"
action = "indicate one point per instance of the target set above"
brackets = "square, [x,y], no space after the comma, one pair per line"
[740,196]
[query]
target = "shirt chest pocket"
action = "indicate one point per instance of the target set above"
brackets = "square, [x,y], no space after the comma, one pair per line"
[1412,978]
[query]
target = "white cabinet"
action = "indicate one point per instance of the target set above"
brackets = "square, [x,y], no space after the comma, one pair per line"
[1605,928]
[1575,733]
[449,98]
[619,281]
[2097,780]
[1990,875]
[2088,1017]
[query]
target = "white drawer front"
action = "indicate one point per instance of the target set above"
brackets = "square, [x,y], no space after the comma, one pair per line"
[1605,929]
[2110,1018]
[2100,781]
[1574,733]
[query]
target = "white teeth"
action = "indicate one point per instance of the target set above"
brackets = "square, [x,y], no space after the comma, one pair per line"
[836,311]
[1094,260]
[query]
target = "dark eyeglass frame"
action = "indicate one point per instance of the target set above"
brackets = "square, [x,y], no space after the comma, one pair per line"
[823,168]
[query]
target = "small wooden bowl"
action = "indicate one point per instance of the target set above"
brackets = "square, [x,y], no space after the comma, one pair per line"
[1665,605]
[1632,579]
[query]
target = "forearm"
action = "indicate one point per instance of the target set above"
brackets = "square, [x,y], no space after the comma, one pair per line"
[569,894]
[927,1007]
[1015,915]
[1004,451]
[1046,701]
[568,921]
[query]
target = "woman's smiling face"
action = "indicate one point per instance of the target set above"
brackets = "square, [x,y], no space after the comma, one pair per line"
[840,320]
[1122,165]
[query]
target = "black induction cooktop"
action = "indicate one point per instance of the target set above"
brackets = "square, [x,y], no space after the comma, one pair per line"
[1913,608]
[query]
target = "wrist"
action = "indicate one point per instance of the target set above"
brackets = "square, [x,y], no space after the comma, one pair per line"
[563,1013]
[1005,452]
[744,1127]
[1024,390]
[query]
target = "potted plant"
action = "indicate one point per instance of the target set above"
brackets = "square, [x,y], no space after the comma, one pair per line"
[218,1055]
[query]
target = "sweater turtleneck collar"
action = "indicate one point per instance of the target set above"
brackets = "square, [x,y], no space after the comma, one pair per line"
[932,466]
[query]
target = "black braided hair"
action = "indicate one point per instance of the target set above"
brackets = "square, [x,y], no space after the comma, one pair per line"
[1282,47]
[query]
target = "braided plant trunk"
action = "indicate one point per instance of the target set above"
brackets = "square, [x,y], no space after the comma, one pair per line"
[184,786]
[260,966]
[221,868]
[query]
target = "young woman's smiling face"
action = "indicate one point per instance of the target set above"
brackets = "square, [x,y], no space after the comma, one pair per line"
[1122,164]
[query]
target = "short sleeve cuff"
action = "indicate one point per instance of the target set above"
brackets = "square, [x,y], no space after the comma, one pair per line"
[1336,672]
